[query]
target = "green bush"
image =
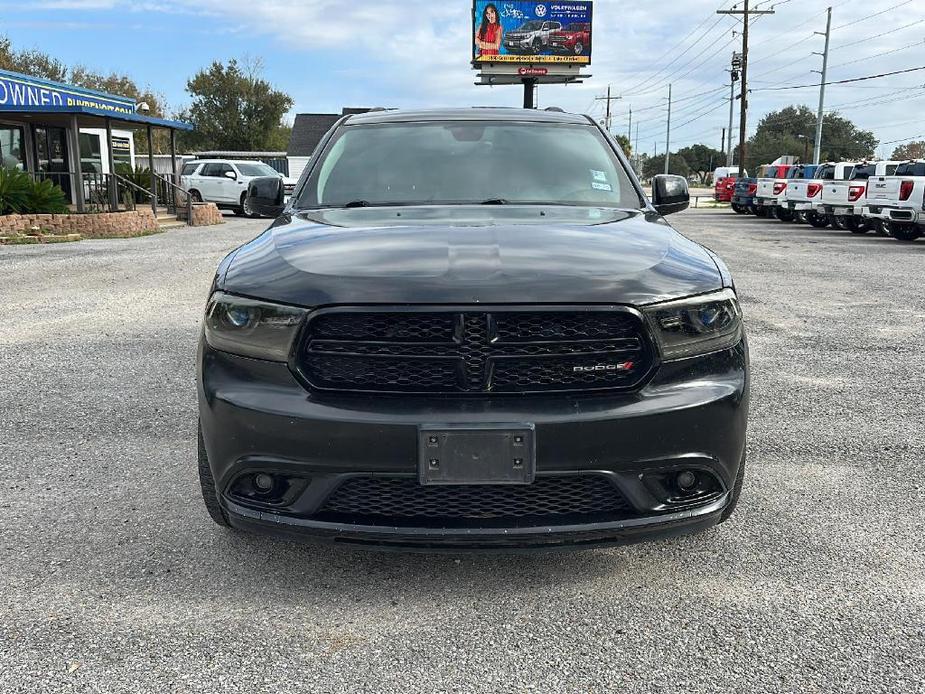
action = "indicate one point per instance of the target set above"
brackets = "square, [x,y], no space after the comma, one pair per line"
[20,194]
[46,198]
[15,186]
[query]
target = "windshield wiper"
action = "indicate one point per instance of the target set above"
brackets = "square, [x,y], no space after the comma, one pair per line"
[494,201]
[357,203]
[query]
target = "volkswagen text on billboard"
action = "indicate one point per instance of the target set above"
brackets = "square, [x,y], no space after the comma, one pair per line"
[531,32]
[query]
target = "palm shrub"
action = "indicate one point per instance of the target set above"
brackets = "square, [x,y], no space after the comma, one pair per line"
[45,197]
[15,186]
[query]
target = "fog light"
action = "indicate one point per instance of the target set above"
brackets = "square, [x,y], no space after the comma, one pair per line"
[263,483]
[686,481]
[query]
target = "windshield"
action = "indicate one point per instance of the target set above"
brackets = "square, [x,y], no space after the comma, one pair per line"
[257,169]
[530,26]
[469,163]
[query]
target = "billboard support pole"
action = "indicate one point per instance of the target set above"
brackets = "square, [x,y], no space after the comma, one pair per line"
[529,89]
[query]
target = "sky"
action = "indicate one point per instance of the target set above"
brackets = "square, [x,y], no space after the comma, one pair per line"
[328,54]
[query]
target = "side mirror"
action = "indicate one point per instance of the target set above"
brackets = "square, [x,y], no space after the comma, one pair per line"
[265,196]
[670,194]
[232,175]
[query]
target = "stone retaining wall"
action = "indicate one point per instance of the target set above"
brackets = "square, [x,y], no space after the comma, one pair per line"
[97,225]
[205,214]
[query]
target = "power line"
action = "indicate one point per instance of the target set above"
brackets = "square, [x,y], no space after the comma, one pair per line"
[878,55]
[876,36]
[856,79]
[875,14]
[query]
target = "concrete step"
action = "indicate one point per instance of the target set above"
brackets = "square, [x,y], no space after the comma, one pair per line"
[170,223]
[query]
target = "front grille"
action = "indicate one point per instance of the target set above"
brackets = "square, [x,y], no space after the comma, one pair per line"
[555,500]
[501,351]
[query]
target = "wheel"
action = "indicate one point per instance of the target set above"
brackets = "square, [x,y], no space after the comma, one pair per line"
[819,221]
[195,195]
[783,214]
[579,48]
[738,209]
[736,491]
[881,227]
[209,495]
[905,232]
[856,226]
[537,46]
[761,212]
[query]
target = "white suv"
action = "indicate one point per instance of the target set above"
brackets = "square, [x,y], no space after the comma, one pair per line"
[224,181]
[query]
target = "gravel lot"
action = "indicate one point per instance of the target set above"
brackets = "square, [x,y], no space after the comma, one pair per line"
[113,579]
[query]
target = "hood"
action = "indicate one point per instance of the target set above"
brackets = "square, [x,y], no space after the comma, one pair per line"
[634,257]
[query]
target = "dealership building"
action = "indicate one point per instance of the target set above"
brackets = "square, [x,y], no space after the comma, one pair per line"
[74,136]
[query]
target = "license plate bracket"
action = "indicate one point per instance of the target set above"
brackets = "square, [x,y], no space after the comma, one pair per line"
[476,454]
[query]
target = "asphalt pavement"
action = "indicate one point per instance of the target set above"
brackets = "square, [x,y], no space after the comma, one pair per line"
[113,578]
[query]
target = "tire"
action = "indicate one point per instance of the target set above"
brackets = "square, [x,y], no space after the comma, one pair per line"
[856,226]
[738,209]
[839,223]
[905,232]
[207,483]
[195,195]
[761,212]
[881,227]
[818,221]
[736,492]
[579,48]
[537,46]
[783,214]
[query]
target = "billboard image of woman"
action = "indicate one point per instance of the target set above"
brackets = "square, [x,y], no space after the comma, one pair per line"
[488,35]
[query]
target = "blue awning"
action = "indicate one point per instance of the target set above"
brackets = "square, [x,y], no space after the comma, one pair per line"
[82,110]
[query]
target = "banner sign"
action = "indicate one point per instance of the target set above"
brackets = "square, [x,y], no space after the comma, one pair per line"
[19,92]
[531,32]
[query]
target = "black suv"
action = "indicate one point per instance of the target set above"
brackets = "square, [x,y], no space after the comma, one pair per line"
[471,329]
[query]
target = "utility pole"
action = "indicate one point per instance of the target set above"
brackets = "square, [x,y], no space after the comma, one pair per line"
[723,146]
[733,78]
[668,132]
[636,148]
[608,99]
[817,153]
[743,110]
[629,130]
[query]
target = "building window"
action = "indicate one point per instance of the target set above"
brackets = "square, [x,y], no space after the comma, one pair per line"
[12,148]
[121,151]
[91,157]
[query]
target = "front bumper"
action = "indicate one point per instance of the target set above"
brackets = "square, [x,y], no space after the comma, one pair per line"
[894,214]
[256,417]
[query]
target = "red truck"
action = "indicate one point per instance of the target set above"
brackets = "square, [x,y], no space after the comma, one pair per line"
[574,38]
[725,183]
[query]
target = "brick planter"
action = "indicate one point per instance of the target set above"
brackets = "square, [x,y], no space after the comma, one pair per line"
[205,214]
[97,225]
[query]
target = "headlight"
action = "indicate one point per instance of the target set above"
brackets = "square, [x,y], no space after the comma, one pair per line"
[251,328]
[695,326]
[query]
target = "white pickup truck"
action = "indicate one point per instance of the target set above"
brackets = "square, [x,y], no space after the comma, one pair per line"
[842,201]
[770,192]
[897,202]
[801,189]
[826,174]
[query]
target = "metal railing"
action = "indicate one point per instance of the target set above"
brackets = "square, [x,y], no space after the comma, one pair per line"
[174,196]
[112,192]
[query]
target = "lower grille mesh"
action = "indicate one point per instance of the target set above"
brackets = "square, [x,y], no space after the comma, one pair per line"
[398,500]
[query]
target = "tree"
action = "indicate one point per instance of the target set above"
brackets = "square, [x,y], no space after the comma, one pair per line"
[702,160]
[31,62]
[42,65]
[233,108]
[656,165]
[912,150]
[792,131]
[624,143]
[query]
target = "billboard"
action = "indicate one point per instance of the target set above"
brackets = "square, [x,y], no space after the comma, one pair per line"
[531,32]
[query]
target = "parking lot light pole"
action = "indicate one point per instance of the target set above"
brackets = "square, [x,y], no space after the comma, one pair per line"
[668,133]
